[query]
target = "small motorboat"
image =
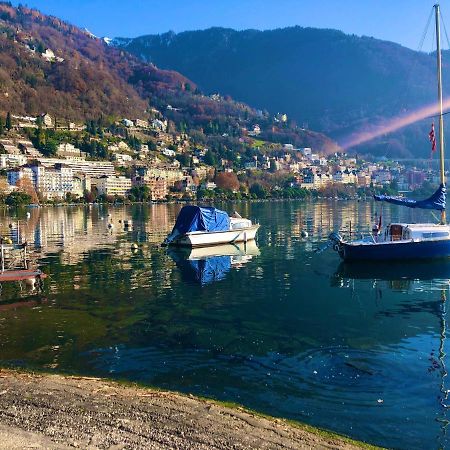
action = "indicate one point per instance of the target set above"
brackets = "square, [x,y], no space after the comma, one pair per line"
[203,226]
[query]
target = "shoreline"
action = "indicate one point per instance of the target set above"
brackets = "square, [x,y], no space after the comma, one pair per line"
[194,201]
[52,411]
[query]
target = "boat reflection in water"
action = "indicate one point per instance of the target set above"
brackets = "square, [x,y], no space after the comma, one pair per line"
[395,271]
[206,265]
[430,275]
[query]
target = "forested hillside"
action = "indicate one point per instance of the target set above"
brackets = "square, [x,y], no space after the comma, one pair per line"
[324,79]
[48,65]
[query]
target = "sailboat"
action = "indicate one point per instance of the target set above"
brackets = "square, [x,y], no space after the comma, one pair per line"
[405,241]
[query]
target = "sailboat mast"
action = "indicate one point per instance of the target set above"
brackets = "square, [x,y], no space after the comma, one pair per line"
[441,116]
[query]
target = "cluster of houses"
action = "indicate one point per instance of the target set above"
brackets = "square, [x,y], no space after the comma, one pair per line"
[71,171]
[347,171]
[315,172]
[154,124]
[45,120]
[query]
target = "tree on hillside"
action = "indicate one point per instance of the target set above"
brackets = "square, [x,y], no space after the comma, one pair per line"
[258,190]
[184,159]
[2,126]
[8,121]
[210,158]
[17,198]
[45,141]
[227,180]
[4,186]
[140,193]
[25,185]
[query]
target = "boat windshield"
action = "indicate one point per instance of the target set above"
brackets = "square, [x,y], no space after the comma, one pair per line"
[396,232]
[399,232]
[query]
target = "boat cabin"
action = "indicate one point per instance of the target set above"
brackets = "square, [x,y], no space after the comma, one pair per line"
[415,232]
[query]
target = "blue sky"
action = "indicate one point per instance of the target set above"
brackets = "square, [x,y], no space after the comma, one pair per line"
[402,21]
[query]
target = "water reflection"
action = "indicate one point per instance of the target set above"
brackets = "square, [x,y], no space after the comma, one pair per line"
[209,264]
[291,333]
[394,271]
[411,277]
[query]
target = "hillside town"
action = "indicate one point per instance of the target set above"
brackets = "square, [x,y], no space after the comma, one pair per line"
[143,160]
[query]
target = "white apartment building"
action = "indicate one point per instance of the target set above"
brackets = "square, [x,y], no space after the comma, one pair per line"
[345,177]
[141,123]
[7,160]
[50,183]
[168,152]
[16,174]
[170,174]
[81,184]
[122,157]
[119,147]
[90,168]
[115,185]
[69,151]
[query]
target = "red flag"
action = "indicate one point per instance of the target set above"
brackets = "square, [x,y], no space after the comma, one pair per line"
[432,137]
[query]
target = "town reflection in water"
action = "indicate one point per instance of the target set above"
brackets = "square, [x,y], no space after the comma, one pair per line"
[273,325]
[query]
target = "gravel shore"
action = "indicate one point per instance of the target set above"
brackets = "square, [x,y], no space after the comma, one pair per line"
[59,412]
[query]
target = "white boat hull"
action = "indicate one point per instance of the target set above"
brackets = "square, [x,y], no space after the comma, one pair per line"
[206,239]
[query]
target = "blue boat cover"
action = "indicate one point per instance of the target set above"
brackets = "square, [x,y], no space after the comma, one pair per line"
[201,218]
[436,201]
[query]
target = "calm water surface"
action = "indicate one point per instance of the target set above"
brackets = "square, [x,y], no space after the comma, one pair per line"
[278,328]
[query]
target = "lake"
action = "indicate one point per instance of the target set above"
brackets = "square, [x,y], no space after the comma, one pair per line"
[279,328]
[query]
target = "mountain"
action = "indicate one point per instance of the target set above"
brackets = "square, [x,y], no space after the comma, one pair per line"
[335,83]
[48,65]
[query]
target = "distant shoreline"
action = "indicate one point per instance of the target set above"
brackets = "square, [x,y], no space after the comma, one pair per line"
[183,202]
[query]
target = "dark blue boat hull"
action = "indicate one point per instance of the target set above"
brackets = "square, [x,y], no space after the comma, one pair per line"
[392,251]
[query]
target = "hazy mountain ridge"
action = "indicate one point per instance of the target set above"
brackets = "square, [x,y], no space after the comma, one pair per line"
[333,82]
